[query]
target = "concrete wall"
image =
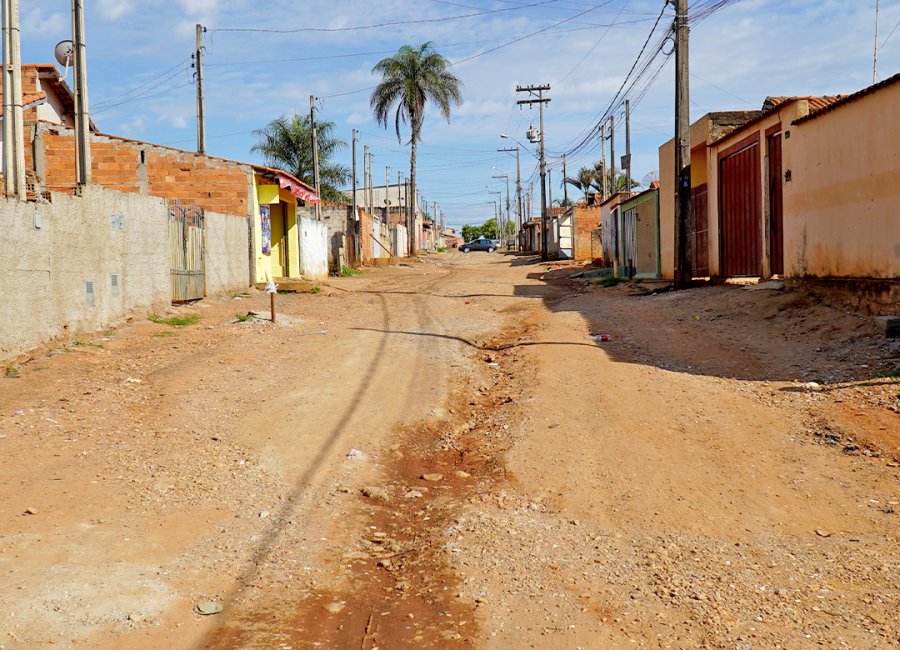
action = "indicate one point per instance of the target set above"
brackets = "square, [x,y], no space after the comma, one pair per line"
[43,270]
[842,204]
[226,238]
[335,217]
[313,249]
[399,241]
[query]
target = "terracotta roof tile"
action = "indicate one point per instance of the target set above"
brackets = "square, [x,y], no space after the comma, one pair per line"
[27,98]
[816,102]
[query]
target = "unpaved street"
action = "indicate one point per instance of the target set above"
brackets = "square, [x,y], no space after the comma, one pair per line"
[444,455]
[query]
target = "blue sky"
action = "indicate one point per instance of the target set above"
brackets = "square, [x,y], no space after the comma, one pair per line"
[140,79]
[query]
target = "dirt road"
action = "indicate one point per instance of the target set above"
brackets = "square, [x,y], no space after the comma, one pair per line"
[444,455]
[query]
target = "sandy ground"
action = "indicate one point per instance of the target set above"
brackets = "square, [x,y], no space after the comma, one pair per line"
[444,455]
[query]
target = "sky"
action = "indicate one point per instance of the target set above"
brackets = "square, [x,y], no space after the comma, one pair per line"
[141,80]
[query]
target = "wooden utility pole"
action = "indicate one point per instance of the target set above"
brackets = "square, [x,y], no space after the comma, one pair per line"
[683,272]
[201,119]
[627,164]
[612,155]
[537,93]
[315,149]
[82,118]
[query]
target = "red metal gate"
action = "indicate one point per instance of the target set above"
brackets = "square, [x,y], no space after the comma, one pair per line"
[776,205]
[740,210]
[700,221]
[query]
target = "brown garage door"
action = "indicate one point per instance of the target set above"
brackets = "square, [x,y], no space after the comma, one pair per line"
[740,210]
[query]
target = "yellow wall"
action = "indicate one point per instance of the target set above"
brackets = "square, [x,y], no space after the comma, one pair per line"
[265,270]
[842,205]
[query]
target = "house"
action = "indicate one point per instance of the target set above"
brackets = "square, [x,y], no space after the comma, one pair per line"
[638,245]
[587,220]
[388,202]
[610,226]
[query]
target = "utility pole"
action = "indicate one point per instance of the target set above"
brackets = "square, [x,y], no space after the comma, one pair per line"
[683,273]
[604,182]
[201,119]
[550,190]
[627,164]
[519,213]
[13,115]
[537,94]
[387,201]
[82,119]
[565,184]
[612,156]
[315,149]
[875,58]
[365,176]
[357,245]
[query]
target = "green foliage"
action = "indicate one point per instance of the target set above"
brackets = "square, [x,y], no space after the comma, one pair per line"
[609,281]
[78,343]
[174,321]
[164,334]
[315,290]
[286,143]
[441,249]
[12,372]
[349,271]
[243,318]
[891,374]
[487,229]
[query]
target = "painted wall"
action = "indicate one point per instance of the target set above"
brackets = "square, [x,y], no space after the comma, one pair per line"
[79,240]
[399,241]
[645,205]
[277,199]
[842,204]
[313,249]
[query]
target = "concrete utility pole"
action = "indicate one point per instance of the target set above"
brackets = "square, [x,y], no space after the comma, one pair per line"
[875,58]
[357,245]
[537,93]
[627,164]
[683,272]
[612,155]
[387,201]
[315,149]
[201,119]
[82,117]
[550,189]
[604,184]
[13,114]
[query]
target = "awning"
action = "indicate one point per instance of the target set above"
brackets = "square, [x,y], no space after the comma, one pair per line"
[296,189]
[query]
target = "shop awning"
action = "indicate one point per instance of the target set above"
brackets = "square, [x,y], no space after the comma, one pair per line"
[296,188]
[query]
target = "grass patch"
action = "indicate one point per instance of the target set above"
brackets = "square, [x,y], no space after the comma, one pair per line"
[174,321]
[349,271]
[441,249]
[315,290]
[85,344]
[164,334]
[608,281]
[890,374]
[243,318]
[12,372]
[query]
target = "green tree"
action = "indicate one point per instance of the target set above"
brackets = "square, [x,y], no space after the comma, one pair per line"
[470,232]
[286,143]
[409,79]
[584,180]
[620,179]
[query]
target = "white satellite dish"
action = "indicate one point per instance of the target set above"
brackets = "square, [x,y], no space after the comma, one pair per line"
[64,52]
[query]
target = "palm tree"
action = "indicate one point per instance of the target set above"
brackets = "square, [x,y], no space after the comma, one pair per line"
[584,180]
[409,79]
[286,143]
[620,180]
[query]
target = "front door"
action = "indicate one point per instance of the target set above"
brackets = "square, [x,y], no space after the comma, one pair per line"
[740,211]
[776,205]
[279,254]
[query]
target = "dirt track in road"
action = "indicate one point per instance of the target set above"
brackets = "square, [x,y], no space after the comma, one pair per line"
[722,473]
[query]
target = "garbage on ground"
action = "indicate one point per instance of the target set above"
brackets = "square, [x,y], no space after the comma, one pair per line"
[356,454]
[600,338]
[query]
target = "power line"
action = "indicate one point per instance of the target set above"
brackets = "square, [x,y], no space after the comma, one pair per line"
[596,43]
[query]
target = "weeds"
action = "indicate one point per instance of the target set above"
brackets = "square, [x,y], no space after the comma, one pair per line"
[243,318]
[315,290]
[174,321]
[890,374]
[164,334]
[349,271]
[85,344]
[608,281]
[12,372]
[441,249]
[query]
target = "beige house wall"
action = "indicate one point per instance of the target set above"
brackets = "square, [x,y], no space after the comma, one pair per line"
[842,204]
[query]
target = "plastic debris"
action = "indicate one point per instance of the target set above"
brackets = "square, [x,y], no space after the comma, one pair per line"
[207,607]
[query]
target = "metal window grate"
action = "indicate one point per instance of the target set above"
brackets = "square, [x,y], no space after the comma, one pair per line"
[114,285]
[89,293]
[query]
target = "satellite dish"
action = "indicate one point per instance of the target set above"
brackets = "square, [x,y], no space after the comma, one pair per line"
[64,51]
[649,178]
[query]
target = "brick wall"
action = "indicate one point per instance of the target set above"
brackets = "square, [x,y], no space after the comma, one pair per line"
[212,183]
[587,219]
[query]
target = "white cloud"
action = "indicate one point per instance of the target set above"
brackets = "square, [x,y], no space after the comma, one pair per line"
[115,9]
[37,22]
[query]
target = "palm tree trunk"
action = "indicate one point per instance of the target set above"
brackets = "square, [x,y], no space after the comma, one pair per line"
[411,204]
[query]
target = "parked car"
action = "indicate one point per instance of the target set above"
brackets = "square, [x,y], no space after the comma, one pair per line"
[480,244]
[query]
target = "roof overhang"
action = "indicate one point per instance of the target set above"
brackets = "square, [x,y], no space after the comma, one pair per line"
[297,188]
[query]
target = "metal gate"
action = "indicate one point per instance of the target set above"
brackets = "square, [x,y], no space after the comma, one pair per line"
[629,243]
[700,223]
[776,208]
[741,212]
[186,259]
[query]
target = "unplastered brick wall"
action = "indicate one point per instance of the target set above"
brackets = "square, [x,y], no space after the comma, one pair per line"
[214,184]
